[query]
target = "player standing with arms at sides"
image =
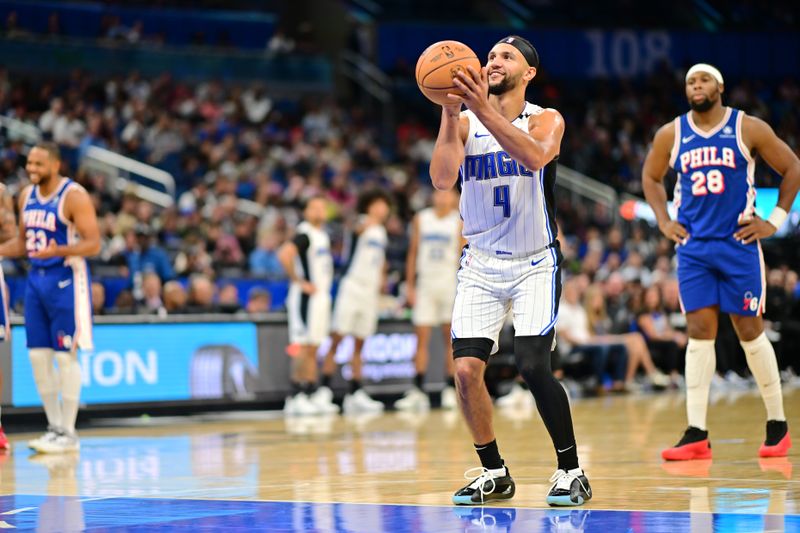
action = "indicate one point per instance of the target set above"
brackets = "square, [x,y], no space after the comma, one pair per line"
[308,262]
[356,309]
[505,152]
[431,266]
[8,230]
[57,231]
[720,263]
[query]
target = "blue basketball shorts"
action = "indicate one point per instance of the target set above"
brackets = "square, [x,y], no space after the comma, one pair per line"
[722,272]
[58,307]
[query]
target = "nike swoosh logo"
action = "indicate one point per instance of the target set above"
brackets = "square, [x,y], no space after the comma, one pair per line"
[534,263]
[685,140]
[565,449]
[65,283]
[479,136]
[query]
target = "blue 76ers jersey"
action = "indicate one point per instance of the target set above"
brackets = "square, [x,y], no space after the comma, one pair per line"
[715,187]
[45,221]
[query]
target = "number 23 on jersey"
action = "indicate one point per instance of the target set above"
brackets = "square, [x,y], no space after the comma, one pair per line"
[35,240]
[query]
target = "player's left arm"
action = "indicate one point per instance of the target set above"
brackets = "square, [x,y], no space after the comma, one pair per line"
[79,209]
[8,220]
[759,136]
[411,262]
[534,149]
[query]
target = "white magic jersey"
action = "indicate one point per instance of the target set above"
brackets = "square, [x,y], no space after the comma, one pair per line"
[368,254]
[314,261]
[508,210]
[438,251]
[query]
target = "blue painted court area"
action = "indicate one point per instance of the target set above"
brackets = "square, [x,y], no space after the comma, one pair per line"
[57,513]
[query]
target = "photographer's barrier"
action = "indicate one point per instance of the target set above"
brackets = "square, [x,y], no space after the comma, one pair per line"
[220,358]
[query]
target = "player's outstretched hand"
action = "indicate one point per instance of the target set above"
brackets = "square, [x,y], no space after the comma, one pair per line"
[753,229]
[46,253]
[674,231]
[475,86]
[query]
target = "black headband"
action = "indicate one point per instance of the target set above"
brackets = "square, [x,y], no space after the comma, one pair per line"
[525,48]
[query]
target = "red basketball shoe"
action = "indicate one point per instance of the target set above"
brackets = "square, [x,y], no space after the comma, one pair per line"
[693,445]
[778,441]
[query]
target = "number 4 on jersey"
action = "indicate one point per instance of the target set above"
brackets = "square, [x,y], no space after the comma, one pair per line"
[502,198]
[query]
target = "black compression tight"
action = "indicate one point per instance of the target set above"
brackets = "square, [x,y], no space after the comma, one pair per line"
[532,356]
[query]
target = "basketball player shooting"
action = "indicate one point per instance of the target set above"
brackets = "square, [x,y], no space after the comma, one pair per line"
[504,150]
[717,236]
[57,231]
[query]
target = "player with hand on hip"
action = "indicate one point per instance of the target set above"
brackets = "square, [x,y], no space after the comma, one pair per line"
[717,234]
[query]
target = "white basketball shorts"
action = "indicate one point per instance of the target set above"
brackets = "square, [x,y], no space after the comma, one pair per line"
[309,317]
[489,287]
[355,312]
[434,304]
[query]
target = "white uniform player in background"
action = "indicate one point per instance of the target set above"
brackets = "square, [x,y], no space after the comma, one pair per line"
[356,309]
[431,267]
[8,230]
[504,152]
[308,262]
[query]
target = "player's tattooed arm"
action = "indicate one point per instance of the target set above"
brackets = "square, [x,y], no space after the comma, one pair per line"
[8,221]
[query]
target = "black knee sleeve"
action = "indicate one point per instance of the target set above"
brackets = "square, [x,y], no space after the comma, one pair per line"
[473,347]
[532,355]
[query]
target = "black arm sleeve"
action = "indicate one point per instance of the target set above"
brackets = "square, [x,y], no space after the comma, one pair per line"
[302,243]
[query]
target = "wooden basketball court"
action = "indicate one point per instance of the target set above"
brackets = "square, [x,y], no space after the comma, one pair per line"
[257,471]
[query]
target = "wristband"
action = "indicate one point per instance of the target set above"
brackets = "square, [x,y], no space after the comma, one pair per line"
[777,217]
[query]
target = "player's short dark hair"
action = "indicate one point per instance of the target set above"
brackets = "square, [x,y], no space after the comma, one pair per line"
[369,197]
[51,148]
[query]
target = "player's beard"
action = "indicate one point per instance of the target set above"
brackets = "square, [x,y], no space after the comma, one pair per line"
[506,84]
[45,178]
[703,105]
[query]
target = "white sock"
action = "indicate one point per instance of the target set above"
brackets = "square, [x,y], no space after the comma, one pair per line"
[46,379]
[70,370]
[701,360]
[497,472]
[764,366]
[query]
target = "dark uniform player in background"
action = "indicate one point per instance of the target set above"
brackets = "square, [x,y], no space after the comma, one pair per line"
[720,263]
[8,230]
[57,231]
[308,263]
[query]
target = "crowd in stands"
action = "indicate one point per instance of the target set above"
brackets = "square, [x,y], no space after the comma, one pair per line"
[229,144]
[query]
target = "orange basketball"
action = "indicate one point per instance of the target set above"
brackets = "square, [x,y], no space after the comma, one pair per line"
[438,65]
